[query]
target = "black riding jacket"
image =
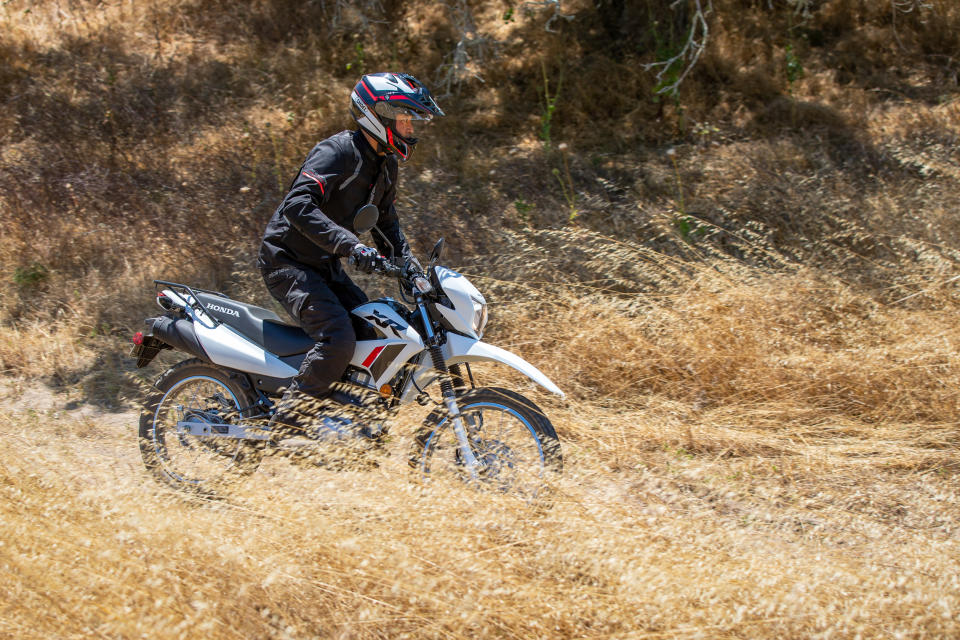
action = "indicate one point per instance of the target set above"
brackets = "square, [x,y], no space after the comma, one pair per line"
[314,223]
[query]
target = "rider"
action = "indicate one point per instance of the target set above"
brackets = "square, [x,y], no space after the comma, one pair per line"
[313,227]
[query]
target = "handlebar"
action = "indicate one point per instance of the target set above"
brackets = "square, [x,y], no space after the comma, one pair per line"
[412,278]
[384,267]
[390,270]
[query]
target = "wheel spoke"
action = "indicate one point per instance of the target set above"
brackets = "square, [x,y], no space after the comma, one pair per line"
[188,458]
[507,439]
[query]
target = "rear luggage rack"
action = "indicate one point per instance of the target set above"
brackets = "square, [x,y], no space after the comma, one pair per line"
[182,288]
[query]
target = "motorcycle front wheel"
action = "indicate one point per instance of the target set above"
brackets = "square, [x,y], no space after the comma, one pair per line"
[195,391]
[514,442]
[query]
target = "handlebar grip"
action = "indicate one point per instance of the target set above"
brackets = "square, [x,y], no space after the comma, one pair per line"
[388,269]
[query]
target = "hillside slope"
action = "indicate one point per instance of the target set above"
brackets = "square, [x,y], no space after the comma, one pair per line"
[748,289]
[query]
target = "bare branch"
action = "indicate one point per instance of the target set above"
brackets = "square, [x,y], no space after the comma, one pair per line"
[905,6]
[801,7]
[692,49]
[471,47]
[556,12]
[340,12]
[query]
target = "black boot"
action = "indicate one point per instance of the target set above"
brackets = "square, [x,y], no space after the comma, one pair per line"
[295,414]
[357,411]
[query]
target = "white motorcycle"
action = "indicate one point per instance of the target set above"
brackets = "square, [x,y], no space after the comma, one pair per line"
[209,418]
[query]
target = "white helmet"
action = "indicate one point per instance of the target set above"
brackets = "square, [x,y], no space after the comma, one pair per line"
[381,100]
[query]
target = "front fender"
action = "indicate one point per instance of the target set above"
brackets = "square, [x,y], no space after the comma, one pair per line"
[463,349]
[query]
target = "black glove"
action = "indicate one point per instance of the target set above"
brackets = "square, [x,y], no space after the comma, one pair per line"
[364,258]
[413,265]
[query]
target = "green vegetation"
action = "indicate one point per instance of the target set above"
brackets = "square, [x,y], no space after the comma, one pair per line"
[30,276]
[794,67]
[549,105]
[357,64]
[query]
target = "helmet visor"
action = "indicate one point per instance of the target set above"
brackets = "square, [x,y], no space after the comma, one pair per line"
[407,122]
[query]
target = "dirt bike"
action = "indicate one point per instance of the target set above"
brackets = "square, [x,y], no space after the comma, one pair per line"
[209,418]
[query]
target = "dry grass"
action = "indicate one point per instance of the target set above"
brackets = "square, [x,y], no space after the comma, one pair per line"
[757,333]
[716,485]
[648,539]
[783,339]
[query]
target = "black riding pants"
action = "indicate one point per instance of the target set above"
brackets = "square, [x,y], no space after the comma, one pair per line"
[319,300]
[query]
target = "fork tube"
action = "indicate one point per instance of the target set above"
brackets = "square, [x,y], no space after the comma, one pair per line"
[427,324]
[448,393]
[450,400]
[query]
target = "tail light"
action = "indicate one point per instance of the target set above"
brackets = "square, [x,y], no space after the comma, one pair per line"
[166,303]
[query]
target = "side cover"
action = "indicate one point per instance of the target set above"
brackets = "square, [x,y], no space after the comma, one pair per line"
[226,347]
[395,341]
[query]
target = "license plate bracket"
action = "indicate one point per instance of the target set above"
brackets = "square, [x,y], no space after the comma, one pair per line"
[147,350]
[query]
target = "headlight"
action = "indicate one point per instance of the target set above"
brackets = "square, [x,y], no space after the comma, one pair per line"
[479,317]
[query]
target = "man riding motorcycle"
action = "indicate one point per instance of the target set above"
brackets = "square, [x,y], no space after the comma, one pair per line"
[313,228]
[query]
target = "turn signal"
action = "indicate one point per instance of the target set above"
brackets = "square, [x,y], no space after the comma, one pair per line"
[138,338]
[386,390]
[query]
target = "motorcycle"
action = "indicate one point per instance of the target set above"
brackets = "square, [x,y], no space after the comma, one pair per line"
[209,418]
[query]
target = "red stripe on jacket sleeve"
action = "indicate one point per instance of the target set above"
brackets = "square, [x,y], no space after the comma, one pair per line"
[314,178]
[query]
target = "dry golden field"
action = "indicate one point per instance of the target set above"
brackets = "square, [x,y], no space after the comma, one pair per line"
[749,292]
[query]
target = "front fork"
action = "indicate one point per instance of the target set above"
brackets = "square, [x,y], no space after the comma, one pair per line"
[449,393]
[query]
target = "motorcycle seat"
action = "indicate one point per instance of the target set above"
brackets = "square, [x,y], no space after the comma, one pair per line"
[260,325]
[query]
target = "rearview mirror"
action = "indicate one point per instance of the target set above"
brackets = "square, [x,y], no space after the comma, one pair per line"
[437,251]
[365,218]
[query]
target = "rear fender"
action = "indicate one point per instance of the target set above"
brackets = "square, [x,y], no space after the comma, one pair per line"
[147,348]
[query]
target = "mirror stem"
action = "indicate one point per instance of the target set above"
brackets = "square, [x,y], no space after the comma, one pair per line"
[393,251]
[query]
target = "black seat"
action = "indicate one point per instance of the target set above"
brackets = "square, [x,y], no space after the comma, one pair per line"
[261,325]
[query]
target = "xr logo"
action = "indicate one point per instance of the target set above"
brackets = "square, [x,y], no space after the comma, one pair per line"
[385,323]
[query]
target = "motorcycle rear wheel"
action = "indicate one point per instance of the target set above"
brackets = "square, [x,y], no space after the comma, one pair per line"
[194,389]
[511,437]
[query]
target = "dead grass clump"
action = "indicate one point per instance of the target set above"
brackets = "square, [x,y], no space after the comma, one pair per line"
[43,351]
[795,340]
